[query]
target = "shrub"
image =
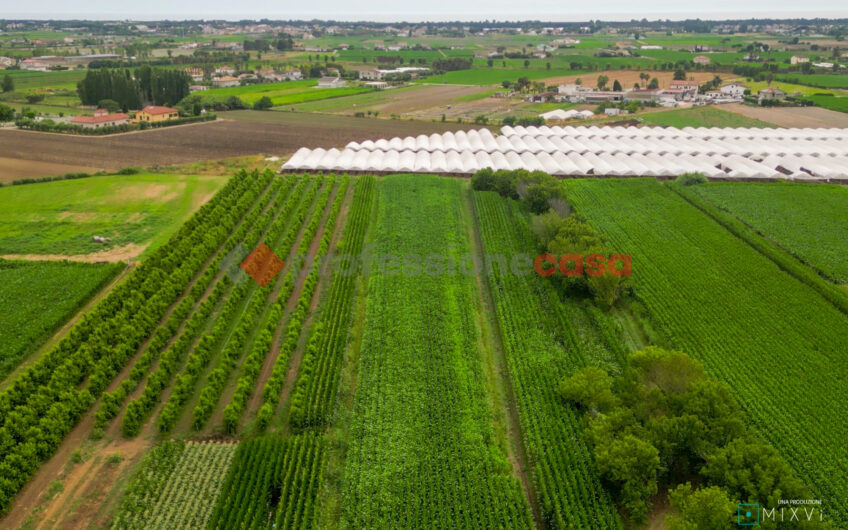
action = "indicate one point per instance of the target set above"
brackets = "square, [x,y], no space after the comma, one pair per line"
[690,179]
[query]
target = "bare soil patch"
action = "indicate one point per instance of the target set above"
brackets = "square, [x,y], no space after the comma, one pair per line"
[124,253]
[246,133]
[408,101]
[16,168]
[814,117]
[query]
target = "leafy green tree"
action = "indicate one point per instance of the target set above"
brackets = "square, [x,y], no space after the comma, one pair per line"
[632,465]
[109,104]
[602,82]
[680,74]
[590,388]
[616,86]
[707,508]
[654,84]
[7,113]
[263,103]
[8,83]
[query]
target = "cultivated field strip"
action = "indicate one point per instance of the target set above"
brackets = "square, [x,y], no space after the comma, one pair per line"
[775,341]
[272,483]
[177,486]
[782,212]
[47,399]
[138,409]
[314,395]
[171,342]
[241,337]
[422,452]
[271,392]
[542,346]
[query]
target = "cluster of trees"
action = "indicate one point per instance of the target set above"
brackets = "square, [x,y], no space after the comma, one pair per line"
[131,90]
[454,63]
[664,423]
[7,113]
[525,121]
[282,42]
[8,83]
[70,128]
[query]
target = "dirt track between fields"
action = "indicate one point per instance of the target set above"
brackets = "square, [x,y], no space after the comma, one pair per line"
[813,117]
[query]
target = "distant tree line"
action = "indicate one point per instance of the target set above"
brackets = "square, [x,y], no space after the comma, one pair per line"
[454,63]
[148,85]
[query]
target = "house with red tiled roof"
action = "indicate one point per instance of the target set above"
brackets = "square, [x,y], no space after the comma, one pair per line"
[153,113]
[101,118]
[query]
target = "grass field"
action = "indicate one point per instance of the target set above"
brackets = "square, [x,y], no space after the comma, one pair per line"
[782,212]
[421,410]
[136,211]
[789,88]
[766,334]
[707,116]
[830,102]
[25,79]
[821,80]
[284,93]
[36,298]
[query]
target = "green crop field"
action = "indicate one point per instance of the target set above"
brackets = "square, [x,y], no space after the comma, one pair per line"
[37,297]
[819,80]
[545,340]
[283,93]
[707,116]
[829,102]
[782,211]
[766,334]
[63,79]
[421,409]
[62,217]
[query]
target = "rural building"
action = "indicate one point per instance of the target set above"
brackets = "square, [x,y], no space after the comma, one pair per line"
[6,62]
[600,96]
[331,82]
[612,111]
[379,85]
[225,70]
[293,75]
[701,59]
[572,89]
[34,65]
[771,93]
[101,118]
[153,113]
[195,73]
[736,90]
[690,87]
[644,94]
[374,75]
[226,81]
[198,88]
[798,59]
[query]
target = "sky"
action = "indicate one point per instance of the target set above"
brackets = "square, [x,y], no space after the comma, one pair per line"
[431,10]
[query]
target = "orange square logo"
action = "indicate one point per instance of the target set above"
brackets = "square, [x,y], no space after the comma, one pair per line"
[262,264]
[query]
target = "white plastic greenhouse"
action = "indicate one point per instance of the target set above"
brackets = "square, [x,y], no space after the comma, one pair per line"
[719,153]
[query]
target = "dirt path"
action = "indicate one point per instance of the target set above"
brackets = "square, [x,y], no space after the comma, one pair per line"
[517,455]
[124,253]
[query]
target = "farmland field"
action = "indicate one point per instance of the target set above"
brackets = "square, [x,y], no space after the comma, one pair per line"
[38,297]
[421,411]
[284,93]
[545,340]
[136,211]
[839,104]
[707,116]
[781,211]
[240,133]
[710,294]
[791,116]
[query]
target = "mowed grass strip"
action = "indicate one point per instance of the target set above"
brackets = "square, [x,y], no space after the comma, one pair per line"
[421,451]
[777,343]
[36,298]
[61,218]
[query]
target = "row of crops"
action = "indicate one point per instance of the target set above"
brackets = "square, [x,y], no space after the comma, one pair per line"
[421,450]
[545,340]
[175,486]
[776,341]
[47,399]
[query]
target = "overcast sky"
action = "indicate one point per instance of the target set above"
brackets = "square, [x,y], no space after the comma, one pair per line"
[397,10]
